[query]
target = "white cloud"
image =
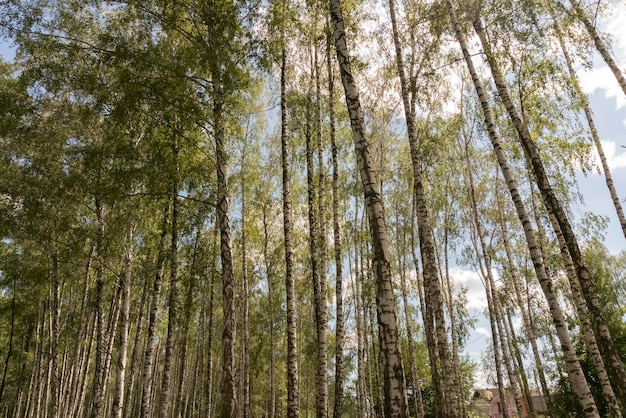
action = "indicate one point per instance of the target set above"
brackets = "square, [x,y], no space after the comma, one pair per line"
[601,77]
[615,156]
[483,331]
[475,290]
[517,323]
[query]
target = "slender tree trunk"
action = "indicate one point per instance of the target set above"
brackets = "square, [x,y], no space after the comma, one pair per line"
[396,404]
[339,317]
[530,332]
[585,325]
[172,321]
[132,398]
[602,49]
[592,127]
[575,374]
[151,345]
[98,386]
[360,383]
[71,394]
[555,208]
[55,314]
[229,378]
[451,309]
[10,348]
[429,332]
[505,344]
[245,357]
[322,347]
[446,391]
[110,333]
[207,411]
[293,398]
[321,385]
[415,384]
[118,403]
[181,392]
[79,405]
[484,263]
[271,404]
[518,365]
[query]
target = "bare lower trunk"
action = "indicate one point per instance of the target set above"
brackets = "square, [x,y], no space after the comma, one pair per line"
[416,387]
[530,332]
[151,345]
[484,263]
[98,386]
[585,325]
[118,403]
[271,401]
[55,314]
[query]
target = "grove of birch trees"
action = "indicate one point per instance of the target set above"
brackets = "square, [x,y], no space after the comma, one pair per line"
[246,208]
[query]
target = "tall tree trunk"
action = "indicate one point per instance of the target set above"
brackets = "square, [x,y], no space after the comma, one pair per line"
[321,323]
[151,344]
[110,333]
[530,332]
[55,314]
[396,404]
[339,317]
[321,386]
[118,403]
[208,379]
[293,398]
[518,364]
[416,388]
[10,348]
[555,208]
[72,393]
[229,378]
[505,344]
[98,385]
[446,390]
[132,402]
[271,402]
[429,332]
[585,325]
[575,373]
[245,356]
[188,311]
[484,263]
[172,321]
[602,49]
[451,309]
[360,383]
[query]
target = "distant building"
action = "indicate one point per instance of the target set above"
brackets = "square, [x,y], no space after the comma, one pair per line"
[486,403]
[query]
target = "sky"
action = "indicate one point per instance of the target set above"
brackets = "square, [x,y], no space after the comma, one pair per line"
[608,103]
